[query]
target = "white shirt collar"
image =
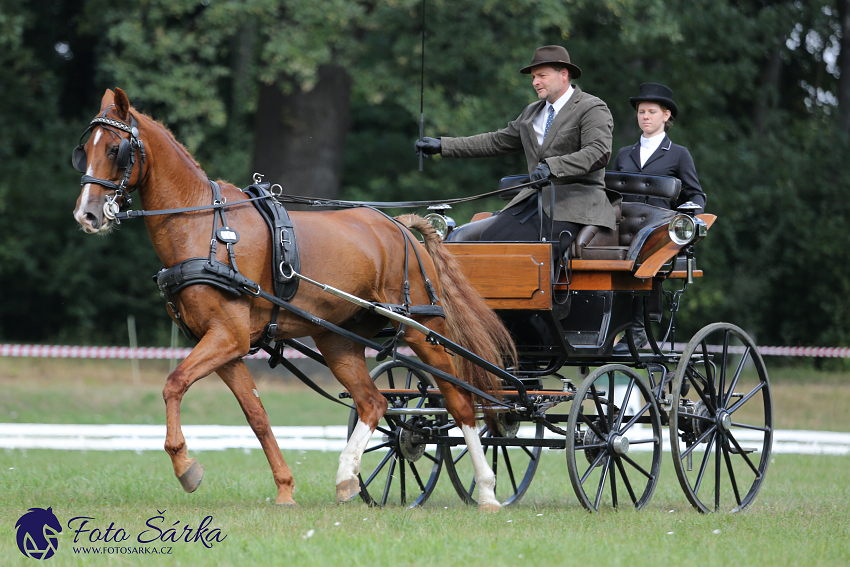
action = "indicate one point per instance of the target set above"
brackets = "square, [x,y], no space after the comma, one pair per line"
[539,123]
[562,100]
[648,147]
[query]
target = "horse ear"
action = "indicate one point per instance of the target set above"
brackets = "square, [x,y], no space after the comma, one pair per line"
[122,104]
[107,99]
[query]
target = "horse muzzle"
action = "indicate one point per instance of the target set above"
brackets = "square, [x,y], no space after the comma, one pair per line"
[93,216]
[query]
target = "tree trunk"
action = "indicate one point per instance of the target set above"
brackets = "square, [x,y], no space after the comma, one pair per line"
[844,66]
[300,137]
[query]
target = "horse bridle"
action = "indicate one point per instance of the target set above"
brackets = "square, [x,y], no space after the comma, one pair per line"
[126,160]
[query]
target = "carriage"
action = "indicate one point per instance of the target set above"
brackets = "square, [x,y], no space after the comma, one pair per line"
[611,414]
[708,399]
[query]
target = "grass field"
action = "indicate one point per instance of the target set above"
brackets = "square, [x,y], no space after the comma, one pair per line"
[800,516]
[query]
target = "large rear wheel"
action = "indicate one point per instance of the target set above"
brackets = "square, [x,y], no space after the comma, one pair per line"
[721,422]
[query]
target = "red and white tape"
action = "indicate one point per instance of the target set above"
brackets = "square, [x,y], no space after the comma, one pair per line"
[815,352]
[165,353]
[138,353]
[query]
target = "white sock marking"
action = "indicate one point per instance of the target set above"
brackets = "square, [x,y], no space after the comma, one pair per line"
[484,476]
[349,459]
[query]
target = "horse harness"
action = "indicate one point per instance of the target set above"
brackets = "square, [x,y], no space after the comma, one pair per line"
[125,160]
[285,259]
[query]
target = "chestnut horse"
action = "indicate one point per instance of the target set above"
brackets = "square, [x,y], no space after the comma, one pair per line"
[356,250]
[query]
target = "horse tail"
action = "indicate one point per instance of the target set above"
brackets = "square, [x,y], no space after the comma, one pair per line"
[469,322]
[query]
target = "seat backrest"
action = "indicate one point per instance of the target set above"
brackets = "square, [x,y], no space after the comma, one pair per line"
[635,216]
[643,185]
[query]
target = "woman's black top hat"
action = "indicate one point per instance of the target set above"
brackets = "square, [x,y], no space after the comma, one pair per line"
[653,92]
[552,55]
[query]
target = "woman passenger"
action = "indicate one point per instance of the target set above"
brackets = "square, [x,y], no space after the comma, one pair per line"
[656,154]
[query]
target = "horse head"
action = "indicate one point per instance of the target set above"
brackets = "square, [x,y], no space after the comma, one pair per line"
[107,161]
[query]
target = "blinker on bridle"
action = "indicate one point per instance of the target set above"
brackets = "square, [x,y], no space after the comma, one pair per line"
[126,160]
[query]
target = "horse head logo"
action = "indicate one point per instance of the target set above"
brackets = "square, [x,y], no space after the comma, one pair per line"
[38,533]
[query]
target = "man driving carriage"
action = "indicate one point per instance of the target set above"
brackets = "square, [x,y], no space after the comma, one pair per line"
[566,137]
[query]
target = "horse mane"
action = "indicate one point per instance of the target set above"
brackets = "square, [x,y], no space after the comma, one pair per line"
[170,135]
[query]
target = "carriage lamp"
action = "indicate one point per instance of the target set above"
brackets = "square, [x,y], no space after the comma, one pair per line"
[682,229]
[685,229]
[441,222]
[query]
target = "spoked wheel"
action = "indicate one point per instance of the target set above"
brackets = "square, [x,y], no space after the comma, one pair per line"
[614,439]
[724,414]
[398,466]
[514,466]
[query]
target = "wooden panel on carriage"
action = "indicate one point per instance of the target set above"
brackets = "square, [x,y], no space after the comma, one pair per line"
[508,275]
[659,250]
[602,275]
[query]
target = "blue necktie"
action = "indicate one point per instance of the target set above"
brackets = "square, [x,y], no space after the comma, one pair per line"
[549,120]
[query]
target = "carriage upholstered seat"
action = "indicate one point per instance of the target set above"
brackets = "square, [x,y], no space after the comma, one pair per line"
[596,243]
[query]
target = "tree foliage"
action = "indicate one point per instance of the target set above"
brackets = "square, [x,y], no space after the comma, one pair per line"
[757,82]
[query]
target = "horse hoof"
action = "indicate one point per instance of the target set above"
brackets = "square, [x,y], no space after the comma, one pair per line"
[347,489]
[288,504]
[491,508]
[191,479]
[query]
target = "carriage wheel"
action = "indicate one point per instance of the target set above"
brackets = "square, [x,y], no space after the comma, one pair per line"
[724,412]
[397,467]
[514,467]
[614,439]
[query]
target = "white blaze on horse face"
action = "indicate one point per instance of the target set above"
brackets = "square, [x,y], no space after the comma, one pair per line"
[79,214]
[484,477]
[349,459]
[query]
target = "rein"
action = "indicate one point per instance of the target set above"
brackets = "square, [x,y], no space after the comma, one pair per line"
[320,202]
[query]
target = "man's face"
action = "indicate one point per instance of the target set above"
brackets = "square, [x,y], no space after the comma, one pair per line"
[550,83]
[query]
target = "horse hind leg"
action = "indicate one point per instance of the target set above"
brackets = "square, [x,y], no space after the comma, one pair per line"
[239,380]
[347,361]
[460,406]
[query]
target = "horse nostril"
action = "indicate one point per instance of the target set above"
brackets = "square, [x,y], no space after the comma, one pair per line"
[91,219]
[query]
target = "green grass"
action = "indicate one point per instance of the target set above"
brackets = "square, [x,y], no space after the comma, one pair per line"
[800,516]
[86,391]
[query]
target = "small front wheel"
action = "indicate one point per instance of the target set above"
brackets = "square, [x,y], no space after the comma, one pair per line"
[399,466]
[613,439]
[511,452]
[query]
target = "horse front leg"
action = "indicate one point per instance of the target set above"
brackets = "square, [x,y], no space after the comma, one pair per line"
[239,380]
[347,361]
[208,355]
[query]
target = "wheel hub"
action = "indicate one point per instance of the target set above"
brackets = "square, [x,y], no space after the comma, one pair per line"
[724,420]
[508,427]
[618,444]
[410,443]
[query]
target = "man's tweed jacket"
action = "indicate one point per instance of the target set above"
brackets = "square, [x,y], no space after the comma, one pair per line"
[576,148]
